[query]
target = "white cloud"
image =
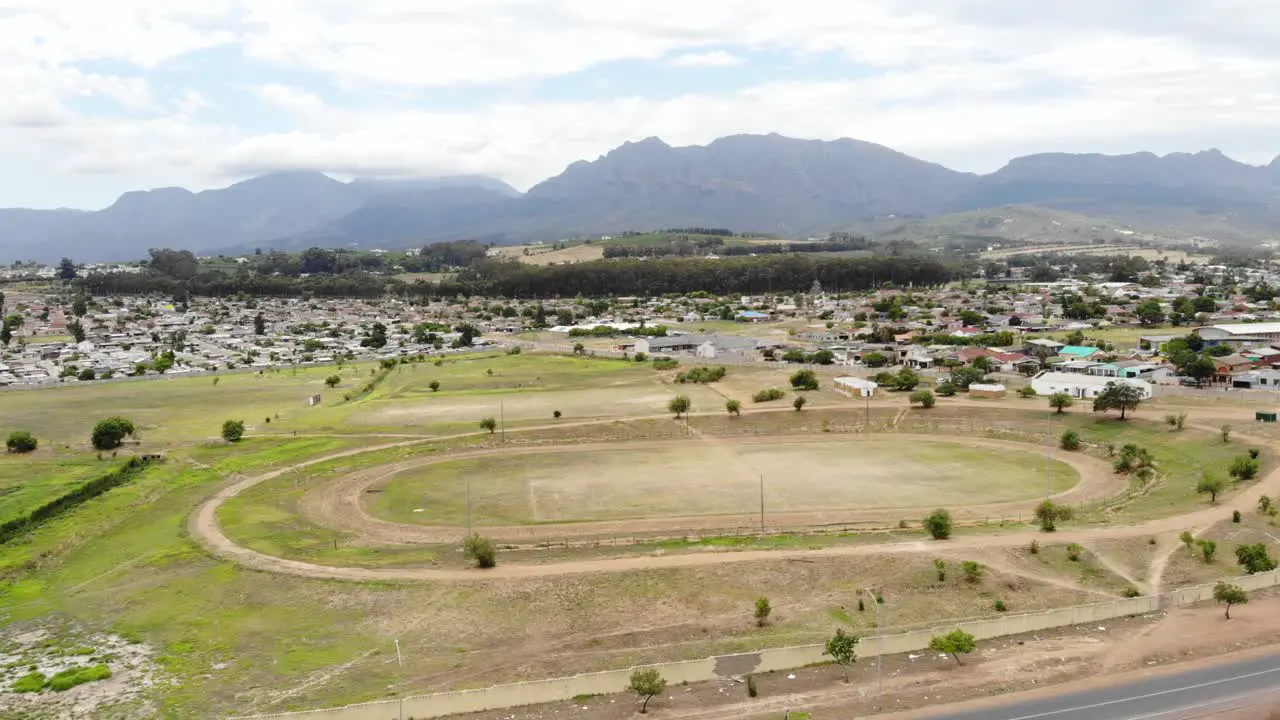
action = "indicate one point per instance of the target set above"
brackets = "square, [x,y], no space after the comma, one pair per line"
[714,58]
[969,82]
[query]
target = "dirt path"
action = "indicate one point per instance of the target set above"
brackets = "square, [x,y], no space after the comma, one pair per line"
[338,505]
[205,529]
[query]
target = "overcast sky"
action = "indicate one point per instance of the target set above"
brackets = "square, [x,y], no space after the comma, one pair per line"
[103,96]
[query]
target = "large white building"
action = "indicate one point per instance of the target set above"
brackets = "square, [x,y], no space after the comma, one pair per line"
[1085,387]
[1241,334]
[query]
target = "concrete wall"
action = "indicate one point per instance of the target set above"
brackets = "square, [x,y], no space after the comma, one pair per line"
[786,658]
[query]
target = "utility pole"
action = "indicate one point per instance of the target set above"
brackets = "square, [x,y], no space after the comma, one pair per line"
[879,652]
[502,424]
[1048,454]
[399,660]
[468,506]
[761,503]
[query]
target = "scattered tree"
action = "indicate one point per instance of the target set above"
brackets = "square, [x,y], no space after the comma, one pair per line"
[1049,514]
[733,407]
[1187,539]
[1208,548]
[955,643]
[21,442]
[1061,401]
[939,524]
[481,551]
[940,566]
[804,380]
[972,571]
[1210,485]
[763,610]
[1225,431]
[489,424]
[333,381]
[434,385]
[77,331]
[1073,552]
[1176,421]
[259,324]
[1243,468]
[679,405]
[1118,396]
[556,414]
[799,403]
[843,649]
[233,430]
[1070,440]
[1254,558]
[1265,504]
[1229,595]
[924,399]
[647,683]
[109,434]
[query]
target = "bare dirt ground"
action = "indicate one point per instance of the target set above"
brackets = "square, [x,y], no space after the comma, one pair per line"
[339,505]
[1082,656]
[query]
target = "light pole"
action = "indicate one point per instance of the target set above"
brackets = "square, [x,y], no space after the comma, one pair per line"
[1048,455]
[468,506]
[762,503]
[879,652]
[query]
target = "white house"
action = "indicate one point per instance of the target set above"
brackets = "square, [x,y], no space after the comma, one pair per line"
[1085,387]
[855,387]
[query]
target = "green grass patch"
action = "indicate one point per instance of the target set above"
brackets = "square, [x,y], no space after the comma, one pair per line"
[30,683]
[71,677]
[31,481]
[68,501]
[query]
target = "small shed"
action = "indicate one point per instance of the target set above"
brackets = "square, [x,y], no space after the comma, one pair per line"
[1265,416]
[981,390]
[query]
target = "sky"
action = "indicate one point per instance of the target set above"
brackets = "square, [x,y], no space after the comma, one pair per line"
[105,96]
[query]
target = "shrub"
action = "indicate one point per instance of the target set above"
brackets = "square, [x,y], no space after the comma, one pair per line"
[972,571]
[762,612]
[481,551]
[20,442]
[1254,558]
[233,430]
[434,384]
[733,407]
[701,375]
[1132,592]
[752,690]
[109,434]
[679,405]
[1265,504]
[1027,392]
[1208,549]
[1049,514]
[946,388]
[72,677]
[804,380]
[489,424]
[515,350]
[556,414]
[1236,517]
[1000,606]
[940,567]
[1254,453]
[939,524]
[333,381]
[1070,440]
[1243,468]
[641,357]
[1034,547]
[799,403]
[768,395]
[1073,552]
[1225,431]
[665,364]
[924,399]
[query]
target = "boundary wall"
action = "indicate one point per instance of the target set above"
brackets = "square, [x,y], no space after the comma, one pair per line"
[726,666]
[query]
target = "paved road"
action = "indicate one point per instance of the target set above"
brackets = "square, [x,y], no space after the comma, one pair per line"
[1195,693]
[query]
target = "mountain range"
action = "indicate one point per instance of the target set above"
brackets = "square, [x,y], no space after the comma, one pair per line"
[763,183]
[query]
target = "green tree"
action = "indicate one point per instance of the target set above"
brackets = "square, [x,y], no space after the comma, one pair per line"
[1150,313]
[963,377]
[66,269]
[924,399]
[481,551]
[679,405]
[434,385]
[799,403]
[1225,432]
[1254,558]
[77,330]
[647,683]
[972,571]
[1061,401]
[109,434]
[1243,468]
[333,381]
[86,375]
[79,307]
[1210,485]
[763,610]
[842,648]
[733,407]
[1229,595]
[21,442]
[233,430]
[489,424]
[377,337]
[259,324]
[1118,396]
[1187,539]
[1070,440]
[1208,548]
[1049,514]
[875,359]
[1073,552]
[939,524]
[955,643]
[823,357]
[804,380]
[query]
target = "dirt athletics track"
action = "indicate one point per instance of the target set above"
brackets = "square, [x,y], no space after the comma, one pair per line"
[336,503]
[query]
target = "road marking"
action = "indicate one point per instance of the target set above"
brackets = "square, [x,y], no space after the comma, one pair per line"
[1121,701]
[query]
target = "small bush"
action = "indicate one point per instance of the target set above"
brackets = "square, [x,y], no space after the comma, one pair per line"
[72,677]
[481,551]
[1073,552]
[665,364]
[1000,606]
[641,357]
[702,375]
[1254,453]
[939,523]
[556,414]
[768,395]
[1034,547]
[233,430]
[21,442]
[752,690]
[30,683]
[972,571]
[1070,440]
[799,403]
[1026,392]
[1132,592]
[1235,516]
[804,380]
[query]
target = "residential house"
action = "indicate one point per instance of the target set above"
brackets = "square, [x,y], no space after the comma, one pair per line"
[1228,366]
[1083,387]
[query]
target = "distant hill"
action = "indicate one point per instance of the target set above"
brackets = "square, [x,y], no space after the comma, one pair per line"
[755,183]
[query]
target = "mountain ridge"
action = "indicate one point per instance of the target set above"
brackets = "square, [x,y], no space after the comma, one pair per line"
[763,183]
